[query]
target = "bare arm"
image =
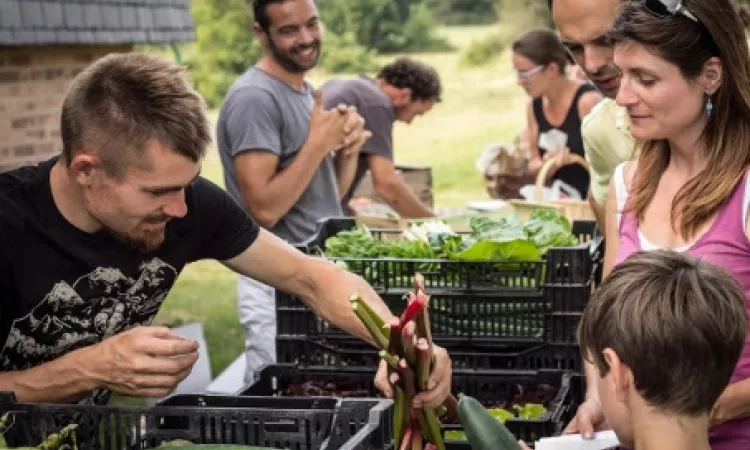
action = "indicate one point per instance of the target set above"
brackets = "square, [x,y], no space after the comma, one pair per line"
[394,190]
[346,169]
[60,381]
[535,159]
[268,193]
[143,361]
[346,164]
[326,288]
[323,286]
[599,213]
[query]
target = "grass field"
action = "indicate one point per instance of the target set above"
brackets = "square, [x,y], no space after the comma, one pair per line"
[480,106]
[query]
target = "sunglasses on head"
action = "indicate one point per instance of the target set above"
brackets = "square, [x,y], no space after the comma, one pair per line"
[668,8]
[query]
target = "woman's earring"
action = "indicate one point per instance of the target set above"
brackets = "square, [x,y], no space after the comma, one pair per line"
[709,107]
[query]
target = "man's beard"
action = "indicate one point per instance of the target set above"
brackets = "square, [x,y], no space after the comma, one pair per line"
[286,61]
[143,242]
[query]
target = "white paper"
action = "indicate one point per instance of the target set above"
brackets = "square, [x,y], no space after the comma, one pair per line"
[602,440]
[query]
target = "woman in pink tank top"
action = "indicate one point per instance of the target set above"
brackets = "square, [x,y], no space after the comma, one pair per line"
[686,87]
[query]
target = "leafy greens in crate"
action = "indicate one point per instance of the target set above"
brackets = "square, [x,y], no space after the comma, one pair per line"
[506,239]
[432,248]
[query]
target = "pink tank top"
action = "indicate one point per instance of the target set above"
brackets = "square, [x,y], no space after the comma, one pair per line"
[726,245]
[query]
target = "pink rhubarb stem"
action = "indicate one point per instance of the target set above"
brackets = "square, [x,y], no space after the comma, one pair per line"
[413,309]
[395,346]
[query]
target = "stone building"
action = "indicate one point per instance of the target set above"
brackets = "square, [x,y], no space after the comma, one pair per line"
[45,43]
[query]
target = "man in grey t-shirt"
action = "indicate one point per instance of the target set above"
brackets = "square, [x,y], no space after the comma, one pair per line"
[402,90]
[275,140]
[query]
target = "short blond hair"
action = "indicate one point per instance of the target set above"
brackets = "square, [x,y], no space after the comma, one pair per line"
[122,101]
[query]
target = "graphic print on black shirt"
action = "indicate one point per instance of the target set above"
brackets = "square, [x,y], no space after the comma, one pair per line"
[64,321]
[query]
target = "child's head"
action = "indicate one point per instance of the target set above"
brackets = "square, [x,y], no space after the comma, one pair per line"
[664,332]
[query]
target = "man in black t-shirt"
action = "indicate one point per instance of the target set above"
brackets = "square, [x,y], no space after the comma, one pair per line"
[92,241]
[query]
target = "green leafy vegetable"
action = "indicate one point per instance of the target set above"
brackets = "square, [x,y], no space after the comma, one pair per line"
[530,411]
[506,239]
[548,228]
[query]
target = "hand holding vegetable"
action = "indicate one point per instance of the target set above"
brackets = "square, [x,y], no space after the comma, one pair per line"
[439,384]
[143,361]
[413,371]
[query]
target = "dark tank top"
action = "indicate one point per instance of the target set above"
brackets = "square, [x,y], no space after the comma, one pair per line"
[574,175]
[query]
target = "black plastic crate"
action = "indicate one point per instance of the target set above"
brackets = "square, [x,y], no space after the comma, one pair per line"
[289,423]
[351,352]
[471,319]
[569,265]
[468,318]
[473,302]
[489,387]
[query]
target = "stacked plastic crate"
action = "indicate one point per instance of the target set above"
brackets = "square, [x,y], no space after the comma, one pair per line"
[489,315]
[508,327]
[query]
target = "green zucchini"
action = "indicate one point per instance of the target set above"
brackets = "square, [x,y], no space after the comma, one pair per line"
[483,430]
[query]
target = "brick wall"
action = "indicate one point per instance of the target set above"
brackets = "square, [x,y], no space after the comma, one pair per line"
[33,82]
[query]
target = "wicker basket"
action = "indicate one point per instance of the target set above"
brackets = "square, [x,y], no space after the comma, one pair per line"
[572,209]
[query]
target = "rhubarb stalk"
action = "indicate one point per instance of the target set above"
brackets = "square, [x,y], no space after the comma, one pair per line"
[423,364]
[391,360]
[406,443]
[432,428]
[407,341]
[418,282]
[413,309]
[407,379]
[423,325]
[375,316]
[416,442]
[370,323]
[400,415]
[394,345]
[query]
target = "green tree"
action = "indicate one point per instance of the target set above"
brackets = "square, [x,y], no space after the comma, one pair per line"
[463,12]
[224,48]
[385,26]
[516,17]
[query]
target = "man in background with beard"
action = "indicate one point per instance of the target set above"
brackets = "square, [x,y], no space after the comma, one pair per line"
[402,90]
[274,139]
[582,26]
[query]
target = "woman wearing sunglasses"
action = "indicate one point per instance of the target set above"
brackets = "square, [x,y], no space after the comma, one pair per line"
[557,106]
[686,86]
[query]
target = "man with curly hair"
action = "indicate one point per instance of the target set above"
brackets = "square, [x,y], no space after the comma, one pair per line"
[402,90]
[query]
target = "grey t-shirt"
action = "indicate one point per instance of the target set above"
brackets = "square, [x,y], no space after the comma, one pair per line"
[375,107]
[262,113]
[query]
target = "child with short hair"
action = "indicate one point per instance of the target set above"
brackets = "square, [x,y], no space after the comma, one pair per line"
[664,331]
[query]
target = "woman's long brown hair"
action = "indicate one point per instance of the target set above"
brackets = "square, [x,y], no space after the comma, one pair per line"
[726,137]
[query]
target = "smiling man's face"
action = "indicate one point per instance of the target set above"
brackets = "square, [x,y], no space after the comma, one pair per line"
[582,26]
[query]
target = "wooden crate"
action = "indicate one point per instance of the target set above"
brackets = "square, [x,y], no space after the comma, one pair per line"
[418,178]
